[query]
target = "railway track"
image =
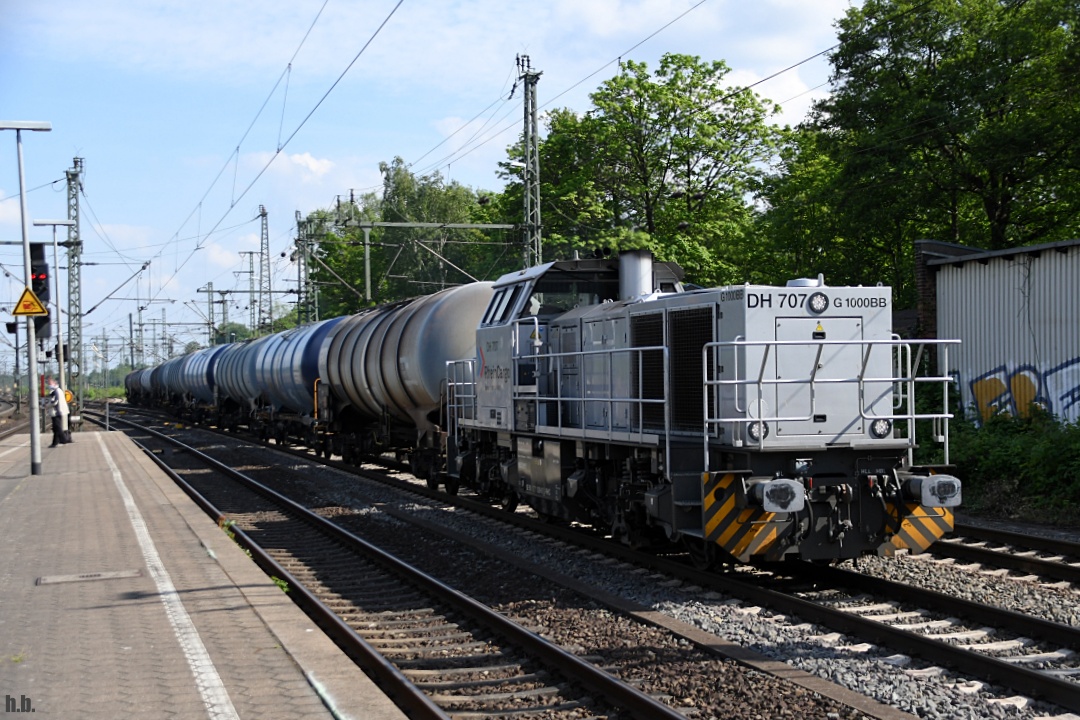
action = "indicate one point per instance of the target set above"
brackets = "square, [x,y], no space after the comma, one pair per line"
[9,428]
[460,687]
[466,659]
[1025,654]
[1037,556]
[897,616]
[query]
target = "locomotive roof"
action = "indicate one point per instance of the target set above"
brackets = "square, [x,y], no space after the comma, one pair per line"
[588,269]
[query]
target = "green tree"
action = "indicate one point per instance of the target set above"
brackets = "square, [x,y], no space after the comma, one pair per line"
[800,231]
[957,120]
[231,332]
[812,224]
[673,155]
[407,262]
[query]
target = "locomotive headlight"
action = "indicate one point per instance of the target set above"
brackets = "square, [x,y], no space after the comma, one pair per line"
[881,428]
[757,430]
[818,303]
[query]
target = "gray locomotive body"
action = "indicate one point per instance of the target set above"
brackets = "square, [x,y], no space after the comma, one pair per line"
[745,422]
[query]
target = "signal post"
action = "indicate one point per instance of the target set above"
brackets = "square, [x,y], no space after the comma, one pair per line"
[31,340]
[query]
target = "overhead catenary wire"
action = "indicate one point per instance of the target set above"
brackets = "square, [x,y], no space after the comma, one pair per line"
[292,135]
[465,151]
[30,190]
[479,137]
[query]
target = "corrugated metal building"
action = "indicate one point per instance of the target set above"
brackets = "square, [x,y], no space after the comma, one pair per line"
[1017,313]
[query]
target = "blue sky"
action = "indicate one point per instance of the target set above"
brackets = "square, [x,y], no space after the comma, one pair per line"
[156,95]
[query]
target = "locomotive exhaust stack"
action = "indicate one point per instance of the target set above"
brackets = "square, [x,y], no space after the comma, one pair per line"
[635,274]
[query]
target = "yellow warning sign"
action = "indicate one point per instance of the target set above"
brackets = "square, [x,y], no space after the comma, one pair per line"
[29,305]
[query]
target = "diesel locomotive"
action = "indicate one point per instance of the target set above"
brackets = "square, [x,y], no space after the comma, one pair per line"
[744,423]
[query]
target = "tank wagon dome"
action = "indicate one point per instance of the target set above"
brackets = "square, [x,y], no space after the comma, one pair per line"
[394,358]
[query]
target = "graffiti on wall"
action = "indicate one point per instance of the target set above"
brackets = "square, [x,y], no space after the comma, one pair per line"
[1014,390]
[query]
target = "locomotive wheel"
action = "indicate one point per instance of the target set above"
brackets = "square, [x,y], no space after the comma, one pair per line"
[509,501]
[702,555]
[433,481]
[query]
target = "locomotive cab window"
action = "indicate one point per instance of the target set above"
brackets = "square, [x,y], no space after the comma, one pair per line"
[501,309]
[555,295]
[494,306]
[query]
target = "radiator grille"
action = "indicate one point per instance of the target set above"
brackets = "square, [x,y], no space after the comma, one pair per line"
[688,331]
[648,331]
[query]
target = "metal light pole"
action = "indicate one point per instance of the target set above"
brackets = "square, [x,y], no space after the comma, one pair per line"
[31,333]
[56,302]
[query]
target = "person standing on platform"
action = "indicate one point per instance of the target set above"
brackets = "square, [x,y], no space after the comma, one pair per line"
[58,410]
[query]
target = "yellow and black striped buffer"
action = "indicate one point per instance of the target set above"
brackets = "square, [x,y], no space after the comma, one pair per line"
[921,527]
[739,530]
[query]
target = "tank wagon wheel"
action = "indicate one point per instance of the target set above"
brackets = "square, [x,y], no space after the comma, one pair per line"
[825,562]
[452,485]
[432,479]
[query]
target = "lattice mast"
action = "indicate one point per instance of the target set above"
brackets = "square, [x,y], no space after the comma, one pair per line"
[266,291]
[74,355]
[531,172]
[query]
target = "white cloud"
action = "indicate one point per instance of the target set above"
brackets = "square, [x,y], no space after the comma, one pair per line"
[215,256]
[311,169]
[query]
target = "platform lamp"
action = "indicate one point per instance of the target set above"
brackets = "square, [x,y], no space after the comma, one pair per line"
[31,334]
[56,303]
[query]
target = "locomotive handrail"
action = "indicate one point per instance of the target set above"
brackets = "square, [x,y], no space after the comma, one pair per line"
[634,429]
[527,320]
[462,397]
[460,404]
[903,381]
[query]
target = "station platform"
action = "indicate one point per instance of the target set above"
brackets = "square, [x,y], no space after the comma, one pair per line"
[119,597]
